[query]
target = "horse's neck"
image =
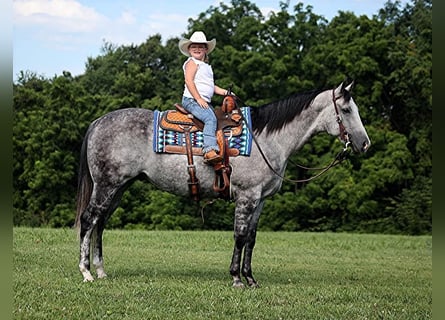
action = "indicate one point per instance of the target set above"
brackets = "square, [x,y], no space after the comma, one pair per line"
[294,135]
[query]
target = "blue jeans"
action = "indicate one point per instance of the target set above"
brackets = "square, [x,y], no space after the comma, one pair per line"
[206,115]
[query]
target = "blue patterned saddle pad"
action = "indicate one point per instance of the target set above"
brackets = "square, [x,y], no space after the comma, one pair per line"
[163,138]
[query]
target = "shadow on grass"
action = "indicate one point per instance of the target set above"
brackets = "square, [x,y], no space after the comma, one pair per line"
[185,273]
[215,273]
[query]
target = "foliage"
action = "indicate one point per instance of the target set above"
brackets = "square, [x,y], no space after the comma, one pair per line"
[389,55]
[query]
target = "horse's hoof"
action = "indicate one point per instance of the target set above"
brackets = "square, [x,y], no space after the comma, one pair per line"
[101,274]
[88,279]
[238,284]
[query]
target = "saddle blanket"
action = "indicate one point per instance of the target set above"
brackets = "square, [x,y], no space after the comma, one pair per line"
[162,138]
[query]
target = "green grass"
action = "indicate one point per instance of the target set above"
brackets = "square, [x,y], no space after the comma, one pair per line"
[184,275]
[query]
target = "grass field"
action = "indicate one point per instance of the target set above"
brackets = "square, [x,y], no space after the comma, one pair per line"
[184,275]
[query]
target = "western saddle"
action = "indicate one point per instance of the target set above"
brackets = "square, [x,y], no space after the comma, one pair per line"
[229,125]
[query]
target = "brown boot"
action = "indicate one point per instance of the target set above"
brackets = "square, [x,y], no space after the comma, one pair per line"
[212,157]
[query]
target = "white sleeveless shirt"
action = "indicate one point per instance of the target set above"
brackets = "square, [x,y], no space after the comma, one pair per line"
[204,81]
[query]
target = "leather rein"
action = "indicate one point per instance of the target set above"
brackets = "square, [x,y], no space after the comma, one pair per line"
[340,157]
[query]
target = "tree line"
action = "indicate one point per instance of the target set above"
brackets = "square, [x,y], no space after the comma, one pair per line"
[266,58]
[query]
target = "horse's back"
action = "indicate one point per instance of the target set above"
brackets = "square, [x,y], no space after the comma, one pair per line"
[122,129]
[124,117]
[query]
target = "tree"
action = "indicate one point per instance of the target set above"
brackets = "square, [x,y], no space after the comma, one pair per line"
[266,58]
[46,134]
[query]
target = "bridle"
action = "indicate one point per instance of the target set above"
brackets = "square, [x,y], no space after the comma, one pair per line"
[340,157]
[344,136]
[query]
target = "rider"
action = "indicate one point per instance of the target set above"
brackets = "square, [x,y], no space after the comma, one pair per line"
[199,89]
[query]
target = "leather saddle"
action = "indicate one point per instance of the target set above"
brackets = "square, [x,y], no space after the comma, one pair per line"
[229,125]
[180,120]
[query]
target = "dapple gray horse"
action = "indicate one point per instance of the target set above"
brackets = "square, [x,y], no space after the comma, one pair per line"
[117,149]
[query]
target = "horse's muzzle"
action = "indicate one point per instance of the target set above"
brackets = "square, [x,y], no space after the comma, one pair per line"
[365,146]
[360,148]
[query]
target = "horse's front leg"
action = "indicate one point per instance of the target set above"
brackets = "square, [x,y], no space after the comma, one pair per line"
[250,244]
[243,215]
[236,262]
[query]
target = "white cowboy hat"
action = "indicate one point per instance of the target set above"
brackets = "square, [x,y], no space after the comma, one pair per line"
[197,37]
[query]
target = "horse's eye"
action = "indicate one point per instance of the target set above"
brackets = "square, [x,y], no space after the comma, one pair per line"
[346,110]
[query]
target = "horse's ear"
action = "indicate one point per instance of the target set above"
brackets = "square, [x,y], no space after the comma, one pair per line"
[339,89]
[344,90]
[349,86]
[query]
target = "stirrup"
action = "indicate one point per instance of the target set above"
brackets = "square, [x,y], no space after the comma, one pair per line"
[214,159]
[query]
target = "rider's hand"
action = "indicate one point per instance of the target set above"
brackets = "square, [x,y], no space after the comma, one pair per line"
[204,104]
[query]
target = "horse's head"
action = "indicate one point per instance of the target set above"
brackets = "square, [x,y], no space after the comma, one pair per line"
[344,119]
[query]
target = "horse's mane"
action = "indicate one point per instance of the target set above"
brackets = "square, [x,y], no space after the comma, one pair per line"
[276,115]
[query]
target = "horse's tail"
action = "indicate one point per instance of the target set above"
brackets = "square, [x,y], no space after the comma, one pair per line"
[85,183]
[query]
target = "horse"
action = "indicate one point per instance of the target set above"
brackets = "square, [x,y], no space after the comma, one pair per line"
[116,150]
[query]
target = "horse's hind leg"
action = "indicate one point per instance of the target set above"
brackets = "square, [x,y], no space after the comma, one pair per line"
[92,223]
[98,260]
[88,222]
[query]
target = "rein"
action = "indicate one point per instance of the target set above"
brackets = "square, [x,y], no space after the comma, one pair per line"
[340,157]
